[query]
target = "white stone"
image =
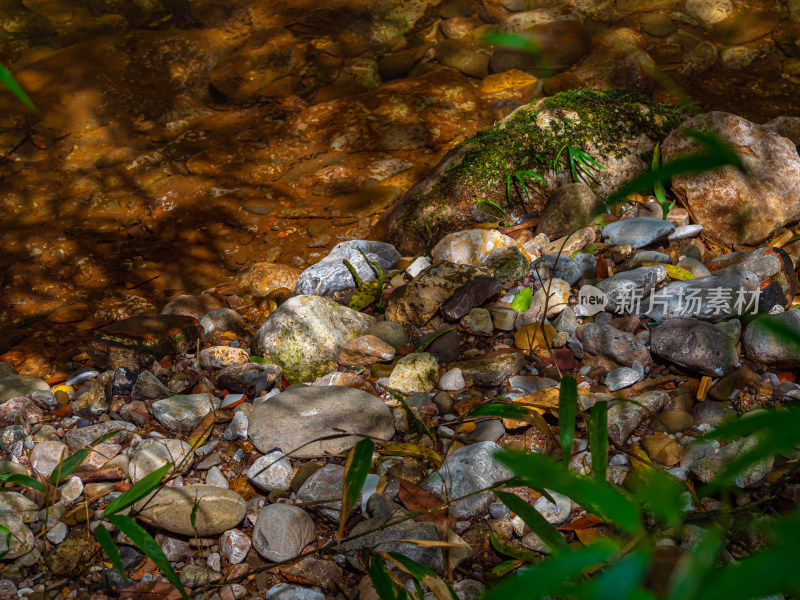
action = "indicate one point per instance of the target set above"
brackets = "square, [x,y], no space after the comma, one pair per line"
[271,472]
[472,246]
[452,381]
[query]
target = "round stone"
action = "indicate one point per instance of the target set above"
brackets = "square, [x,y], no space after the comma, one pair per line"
[271,472]
[282,531]
[150,455]
[170,508]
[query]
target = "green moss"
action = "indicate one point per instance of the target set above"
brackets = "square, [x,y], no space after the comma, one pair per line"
[606,118]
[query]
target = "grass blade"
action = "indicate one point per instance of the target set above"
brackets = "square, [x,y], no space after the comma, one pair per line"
[103,538]
[7,79]
[356,468]
[380,579]
[533,519]
[567,412]
[598,439]
[148,545]
[139,490]
[21,479]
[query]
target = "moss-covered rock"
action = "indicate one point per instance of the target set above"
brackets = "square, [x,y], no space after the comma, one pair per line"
[617,128]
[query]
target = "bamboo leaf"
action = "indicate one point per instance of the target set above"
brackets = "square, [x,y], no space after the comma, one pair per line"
[662,494]
[356,468]
[147,544]
[380,579]
[413,450]
[21,479]
[598,439]
[533,519]
[69,464]
[422,574]
[103,538]
[138,490]
[567,412]
[8,80]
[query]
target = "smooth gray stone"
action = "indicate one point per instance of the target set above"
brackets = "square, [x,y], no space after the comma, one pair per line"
[637,231]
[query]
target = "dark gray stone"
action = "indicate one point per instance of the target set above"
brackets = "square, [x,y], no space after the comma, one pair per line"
[472,294]
[637,231]
[774,339]
[612,343]
[696,345]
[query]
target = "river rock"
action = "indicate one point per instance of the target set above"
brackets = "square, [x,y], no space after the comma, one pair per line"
[570,205]
[773,339]
[423,296]
[562,44]
[152,454]
[219,357]
[491,371]
[301,414]
[149,387]
[624,288]
[288,591]
[470,247]
[612,343]
[637,231]
[624,417]
[306,334]
[388,540]
[478,322]
[557,266]
[471,58]
[182,413]
[696,345]
[773,267]
[78,438]
[170,508]
[46,456]
[263,278]
[234,545]
[555,513]
[415,372]
[21,541]
[472,294]
[733,207]
[365,350]
[507,264]
[465,471]
[707,468]
[13,386]
[272,471]
[390,332]
[331,274]
[282,531]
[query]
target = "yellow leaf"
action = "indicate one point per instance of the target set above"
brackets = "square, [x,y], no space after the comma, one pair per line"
[532,336]
[200,434]
[673,272]
[413,450]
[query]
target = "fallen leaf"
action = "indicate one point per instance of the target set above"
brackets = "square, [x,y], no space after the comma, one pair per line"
[415,499]
[583,522]
[662,449]
[150,590]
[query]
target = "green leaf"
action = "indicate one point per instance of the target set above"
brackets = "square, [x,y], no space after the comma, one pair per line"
[598,439]
[662,494]
[505,567]
[21,479]
[144,542]
[138,490]
[356,469]
[567,411]
[380,579]
[8,80]
[7,532]
[695,567]
[522,300]
[621,581]
[512,551]
[422,575]
[597,497]
[553,574]
[69,464]
[258,359]
[533,519]
[103,538]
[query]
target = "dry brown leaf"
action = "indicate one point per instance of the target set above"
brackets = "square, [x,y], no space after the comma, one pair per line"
[662,449]
[150,590]
[415,499]
[583,522]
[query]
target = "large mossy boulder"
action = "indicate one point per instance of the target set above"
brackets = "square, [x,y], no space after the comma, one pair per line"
[617,128]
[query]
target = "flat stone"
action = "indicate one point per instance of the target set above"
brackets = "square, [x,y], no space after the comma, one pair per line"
[696,345]
[366,350]
[306,334]
[170,508]
[331,275]
[491,371]
[282,531]
[78,438]
[182,413]
[135,342]
[621,378]
[612,343]
[152,454]
[466,470]
[637,231]
[195,576]
[301,414]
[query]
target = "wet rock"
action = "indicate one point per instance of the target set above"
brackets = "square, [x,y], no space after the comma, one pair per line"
[150,455]
[625,417]
[14,386]
[478,322]
[709,12]
[221,320]
[612,343]
[182,413]
[773,339]
[218,357]
[470,247]
[472,294]
[282,531]
[637,231]
[263,278]
[135,342]
[507,264]
[302,414]
[471,58]
[657,24]
[272,471]
[331,275]
[491,371]
[415,372]
[170,508]
[694,266]
[191,306]
[424,295]
[735,208]
[149,387]
[324,484]
[365,350]
[696,345]
[570,205]
[390,332]
[387,539]
[465,471]
[563,43]
[305,335]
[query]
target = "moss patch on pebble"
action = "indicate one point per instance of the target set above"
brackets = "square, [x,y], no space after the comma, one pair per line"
[605,119]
